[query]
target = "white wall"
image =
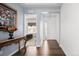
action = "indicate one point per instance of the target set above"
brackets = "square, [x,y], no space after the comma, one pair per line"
[38,40]
[7,50]
[41,32]
[69,34]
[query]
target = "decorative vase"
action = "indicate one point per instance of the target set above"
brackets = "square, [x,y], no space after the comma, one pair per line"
[10,35]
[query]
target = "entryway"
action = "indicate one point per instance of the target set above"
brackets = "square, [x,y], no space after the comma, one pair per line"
[30,27]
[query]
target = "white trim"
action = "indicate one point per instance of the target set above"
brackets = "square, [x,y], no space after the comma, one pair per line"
[63,49]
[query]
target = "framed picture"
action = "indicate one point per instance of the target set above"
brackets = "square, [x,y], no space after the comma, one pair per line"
[8,16]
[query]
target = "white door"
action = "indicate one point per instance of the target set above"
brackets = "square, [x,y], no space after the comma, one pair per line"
[53,27]
[51,30]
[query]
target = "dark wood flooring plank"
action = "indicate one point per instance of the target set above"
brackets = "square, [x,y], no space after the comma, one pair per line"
[49,48]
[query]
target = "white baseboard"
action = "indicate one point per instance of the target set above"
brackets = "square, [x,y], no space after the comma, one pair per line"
[63,49]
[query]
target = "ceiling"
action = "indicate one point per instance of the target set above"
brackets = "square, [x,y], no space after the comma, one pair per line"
[45,5]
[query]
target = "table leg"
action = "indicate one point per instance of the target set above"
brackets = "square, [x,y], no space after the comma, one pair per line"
[19,46]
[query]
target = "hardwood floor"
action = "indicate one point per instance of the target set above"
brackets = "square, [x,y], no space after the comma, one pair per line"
[49,48]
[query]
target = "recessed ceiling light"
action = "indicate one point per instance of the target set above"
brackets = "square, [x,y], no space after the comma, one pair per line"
[44,12]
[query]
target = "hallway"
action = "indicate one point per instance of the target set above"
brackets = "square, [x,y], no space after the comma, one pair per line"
[53,24]
[49,48]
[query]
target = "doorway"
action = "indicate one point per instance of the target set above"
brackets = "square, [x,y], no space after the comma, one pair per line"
[30,27]
[50,26]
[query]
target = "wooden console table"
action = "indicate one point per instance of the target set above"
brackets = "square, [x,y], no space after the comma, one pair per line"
[7,42]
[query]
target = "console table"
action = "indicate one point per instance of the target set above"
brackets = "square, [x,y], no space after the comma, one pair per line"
[7,42]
